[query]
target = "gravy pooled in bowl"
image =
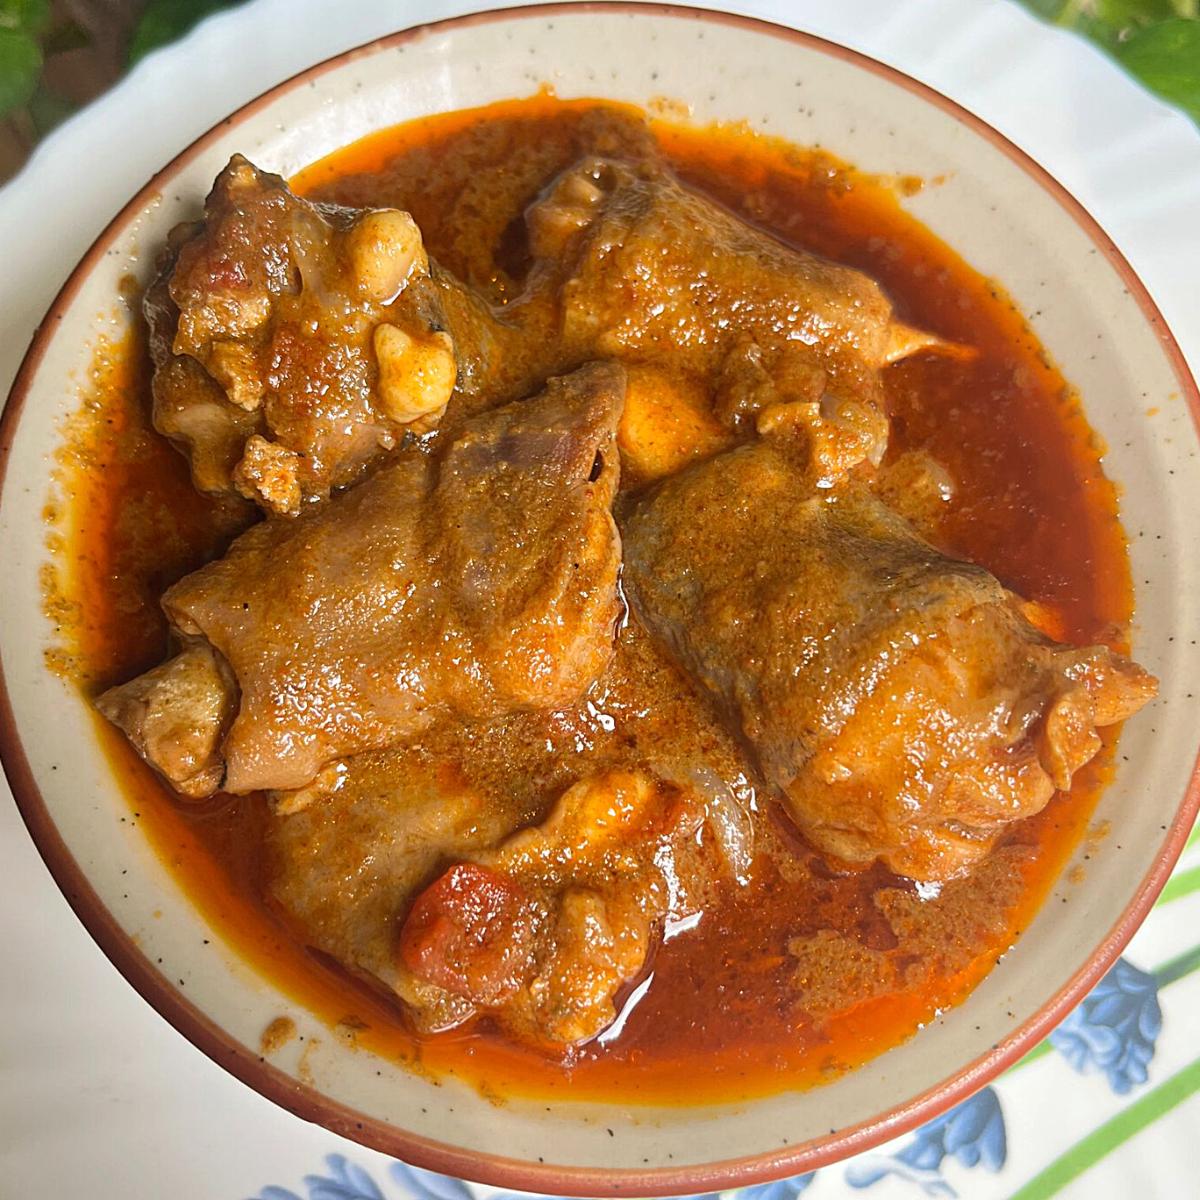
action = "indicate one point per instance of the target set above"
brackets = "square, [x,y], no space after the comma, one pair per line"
[593,603]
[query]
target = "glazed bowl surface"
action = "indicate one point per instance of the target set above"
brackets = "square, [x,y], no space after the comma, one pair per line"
[997,208]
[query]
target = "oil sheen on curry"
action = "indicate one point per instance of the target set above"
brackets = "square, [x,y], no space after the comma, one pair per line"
[594,606]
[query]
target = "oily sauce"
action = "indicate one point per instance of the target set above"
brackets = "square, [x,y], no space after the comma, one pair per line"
[809,970]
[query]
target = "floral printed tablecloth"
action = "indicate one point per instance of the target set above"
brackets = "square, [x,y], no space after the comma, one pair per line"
[100,1098]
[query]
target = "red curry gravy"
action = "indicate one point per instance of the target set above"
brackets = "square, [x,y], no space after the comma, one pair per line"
[716,1018]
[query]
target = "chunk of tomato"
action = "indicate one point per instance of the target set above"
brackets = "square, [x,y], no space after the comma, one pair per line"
[471,932]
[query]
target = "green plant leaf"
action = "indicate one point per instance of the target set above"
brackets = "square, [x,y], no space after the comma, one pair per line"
[20,66]
[1166,58]
[1156,41]
[1085,17]
[163,21]
[25,16]
[1048,10]
[1129,14]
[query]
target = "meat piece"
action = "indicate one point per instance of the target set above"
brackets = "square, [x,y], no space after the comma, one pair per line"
[649,270]
[471,578]
[177,715]
[899,699]
[541,930]
[544,931]
[346,861]
[618,853]
[294,342]
[919,488]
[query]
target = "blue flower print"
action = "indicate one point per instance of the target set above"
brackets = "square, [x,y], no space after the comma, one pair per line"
[971,1133]
[345,1181]
[348,1181]
[429,1185]
[781,1189]
[1115,1029]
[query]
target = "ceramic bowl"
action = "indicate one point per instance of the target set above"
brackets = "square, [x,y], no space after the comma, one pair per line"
[996,207]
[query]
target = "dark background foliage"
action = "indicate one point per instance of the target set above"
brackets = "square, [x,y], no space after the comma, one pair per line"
[56,55]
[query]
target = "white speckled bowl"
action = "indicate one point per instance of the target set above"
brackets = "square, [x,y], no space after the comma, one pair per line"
[1010,220]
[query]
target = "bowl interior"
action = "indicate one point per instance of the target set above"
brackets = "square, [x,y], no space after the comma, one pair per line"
[992,207]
